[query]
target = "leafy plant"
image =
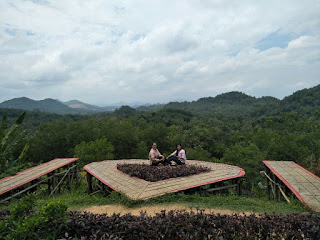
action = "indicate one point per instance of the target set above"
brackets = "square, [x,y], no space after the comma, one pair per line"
[26,222]
[10,141]
[157,173]
[94,151]
[193,225]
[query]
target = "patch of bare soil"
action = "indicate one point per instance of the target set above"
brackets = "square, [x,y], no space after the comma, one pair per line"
[151,210]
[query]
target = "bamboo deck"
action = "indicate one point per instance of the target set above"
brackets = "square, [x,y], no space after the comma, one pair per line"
[304,184]
[136,188]
[9,183]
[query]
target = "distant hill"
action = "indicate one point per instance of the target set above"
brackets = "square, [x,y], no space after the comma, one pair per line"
[53,106]
[231,104]
[75,104]
[46,105]
[305,101]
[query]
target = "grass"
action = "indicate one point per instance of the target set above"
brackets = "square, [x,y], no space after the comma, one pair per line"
[232,202]
[78,199]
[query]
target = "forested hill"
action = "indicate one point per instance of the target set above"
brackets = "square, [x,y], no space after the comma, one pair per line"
[304,101]
[229,104]
[51,106]
[46,105]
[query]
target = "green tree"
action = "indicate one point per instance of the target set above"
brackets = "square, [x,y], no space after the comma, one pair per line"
[198,154]
[123,135]
[247,157]
[94,151]
[50,141]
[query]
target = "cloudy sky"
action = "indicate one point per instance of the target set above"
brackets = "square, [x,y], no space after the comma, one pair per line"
[105,52]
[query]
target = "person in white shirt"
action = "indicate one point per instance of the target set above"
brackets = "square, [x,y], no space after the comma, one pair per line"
[178,157]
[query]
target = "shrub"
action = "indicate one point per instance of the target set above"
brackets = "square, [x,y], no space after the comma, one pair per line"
[194,225]
[25,222]
[157,173]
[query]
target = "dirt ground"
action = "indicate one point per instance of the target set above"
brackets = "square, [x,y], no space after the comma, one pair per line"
[150,210]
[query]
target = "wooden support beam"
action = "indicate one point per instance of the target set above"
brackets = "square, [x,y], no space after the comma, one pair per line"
[274,187]
[53,180]
[49,181]
[77,174]
[268,184]
[89,183]
[221,188]
[95,192]
[239,186]
[26,189]
[73,175]
[58,186]
[69,180]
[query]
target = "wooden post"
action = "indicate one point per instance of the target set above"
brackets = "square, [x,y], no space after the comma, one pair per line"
[239,186]
[69,180]
[268,183]
[274,187]
[77,174]
[89,182]
[34,182]
[49,182]
[53,179]
[279,192]
[58,177]
[102,186]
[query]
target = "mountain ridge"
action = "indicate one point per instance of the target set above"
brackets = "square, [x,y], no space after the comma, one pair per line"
[231,103]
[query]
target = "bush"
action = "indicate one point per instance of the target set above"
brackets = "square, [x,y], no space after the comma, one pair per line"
[25,222]
[194,225]
[157,173]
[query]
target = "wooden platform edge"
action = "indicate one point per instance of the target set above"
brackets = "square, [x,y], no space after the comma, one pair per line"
[100,179]
[37,176]
[296,193]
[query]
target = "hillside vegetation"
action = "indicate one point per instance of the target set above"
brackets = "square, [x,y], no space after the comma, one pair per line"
[242,138]
[305,101]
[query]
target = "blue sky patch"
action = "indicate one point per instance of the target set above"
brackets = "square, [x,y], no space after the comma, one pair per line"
[11,32]
[275,39]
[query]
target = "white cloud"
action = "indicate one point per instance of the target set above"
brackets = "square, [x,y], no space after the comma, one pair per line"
[119,51]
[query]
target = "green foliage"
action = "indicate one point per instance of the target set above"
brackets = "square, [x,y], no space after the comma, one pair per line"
[198,154]
[125,111]
[123,135]
[232,128]
[25,222]
[12,151]
[247,157]
[241,141]
[304,101]
[58,139]
[94,151]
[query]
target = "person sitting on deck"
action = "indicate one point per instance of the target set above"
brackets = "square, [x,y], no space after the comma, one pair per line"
[155,156]
[178,157]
